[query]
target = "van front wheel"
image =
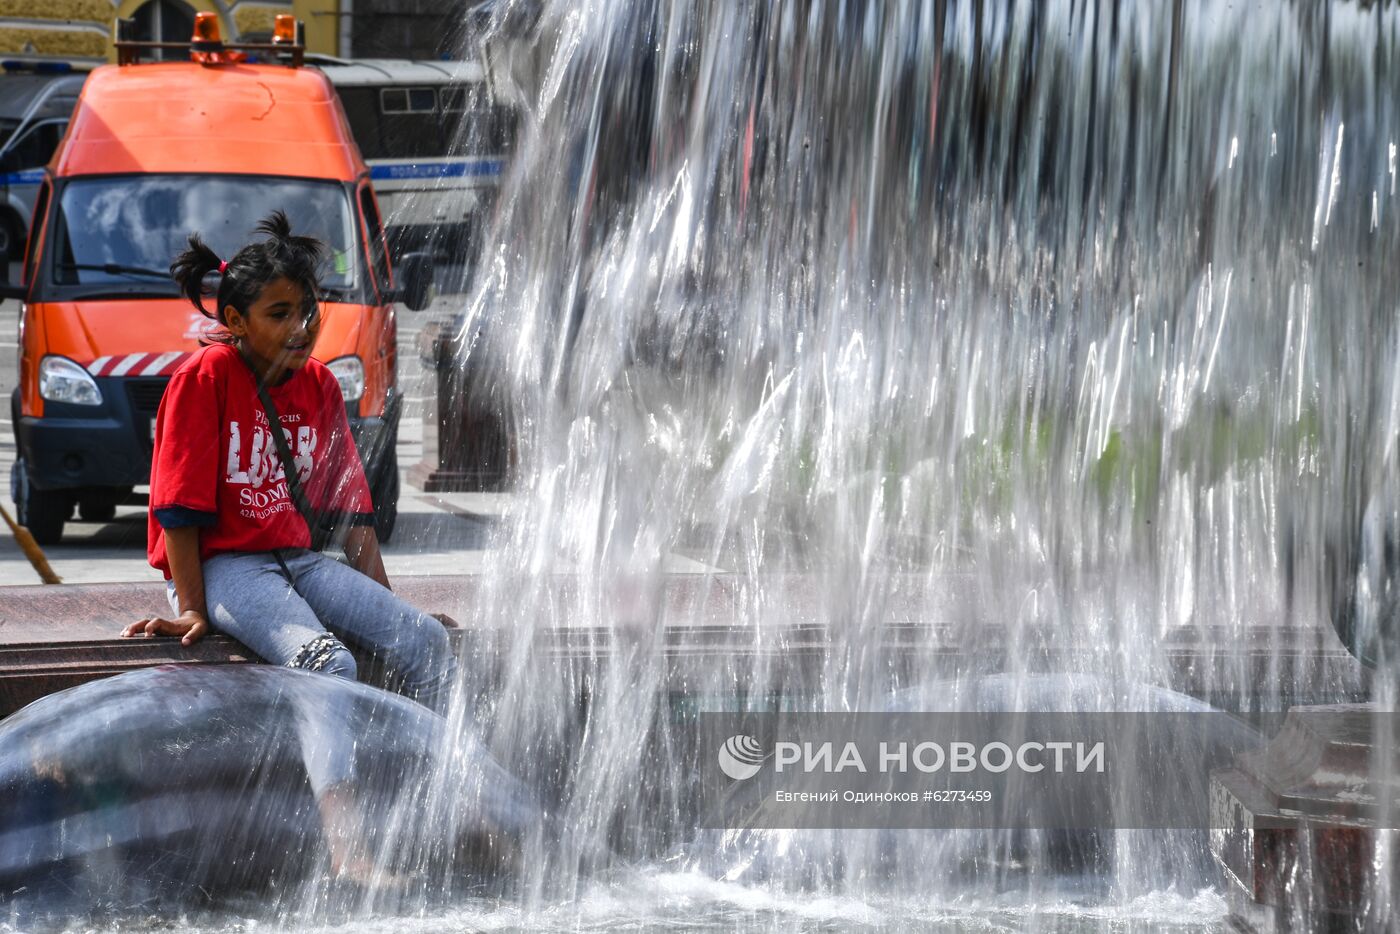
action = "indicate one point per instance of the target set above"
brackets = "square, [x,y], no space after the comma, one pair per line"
[97,507]
[42,512]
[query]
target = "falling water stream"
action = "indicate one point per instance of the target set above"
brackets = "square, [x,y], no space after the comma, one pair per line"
[1063,324]
[1061,327]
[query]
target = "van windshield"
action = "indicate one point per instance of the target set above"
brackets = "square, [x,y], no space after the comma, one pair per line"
[123,231]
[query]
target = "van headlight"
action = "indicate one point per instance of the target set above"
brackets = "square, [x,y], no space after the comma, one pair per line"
[349,372]
[62,380]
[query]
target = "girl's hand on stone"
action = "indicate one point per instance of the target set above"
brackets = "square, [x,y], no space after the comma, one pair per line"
[190,626]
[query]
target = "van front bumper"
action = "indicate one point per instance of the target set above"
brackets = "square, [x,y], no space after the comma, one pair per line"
[103,445]
[65,453]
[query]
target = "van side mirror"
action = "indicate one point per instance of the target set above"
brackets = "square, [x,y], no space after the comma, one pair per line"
[415,271]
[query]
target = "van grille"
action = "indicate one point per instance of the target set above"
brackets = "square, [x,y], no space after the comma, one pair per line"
[145,395]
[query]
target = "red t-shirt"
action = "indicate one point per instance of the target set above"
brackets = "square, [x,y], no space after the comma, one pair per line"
[215,465]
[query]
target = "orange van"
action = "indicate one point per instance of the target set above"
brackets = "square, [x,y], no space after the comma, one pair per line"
[154,151]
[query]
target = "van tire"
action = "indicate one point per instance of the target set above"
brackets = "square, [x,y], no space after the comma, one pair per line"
[46,513]
[42,512]
[98,508]
[385,495]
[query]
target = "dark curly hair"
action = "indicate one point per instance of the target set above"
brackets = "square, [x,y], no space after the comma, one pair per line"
[279,256]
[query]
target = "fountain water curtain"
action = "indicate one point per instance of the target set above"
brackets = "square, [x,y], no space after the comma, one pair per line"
[1063,324]
[1064,330]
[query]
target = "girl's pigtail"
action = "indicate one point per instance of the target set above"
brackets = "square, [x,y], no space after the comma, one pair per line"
[298,257]
[275,225]
[190,268]
[307,250]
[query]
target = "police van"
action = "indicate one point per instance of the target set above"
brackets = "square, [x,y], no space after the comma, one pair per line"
[34,111]
[435,138]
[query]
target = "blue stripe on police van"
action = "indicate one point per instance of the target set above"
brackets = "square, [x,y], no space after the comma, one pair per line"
[27,177]
[437,169]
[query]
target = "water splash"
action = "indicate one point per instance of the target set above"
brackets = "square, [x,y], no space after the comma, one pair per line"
[1063,324]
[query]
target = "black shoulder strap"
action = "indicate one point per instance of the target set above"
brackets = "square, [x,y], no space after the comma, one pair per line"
[284,453]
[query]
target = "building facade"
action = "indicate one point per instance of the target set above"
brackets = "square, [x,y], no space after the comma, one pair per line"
[80,31]
[414,29]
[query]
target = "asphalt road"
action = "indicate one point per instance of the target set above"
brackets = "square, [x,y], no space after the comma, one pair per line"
[438,533]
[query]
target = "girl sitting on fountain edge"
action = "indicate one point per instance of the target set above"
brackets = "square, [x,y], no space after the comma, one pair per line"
[224,526]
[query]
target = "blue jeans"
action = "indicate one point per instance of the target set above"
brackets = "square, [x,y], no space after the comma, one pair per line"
[295,606]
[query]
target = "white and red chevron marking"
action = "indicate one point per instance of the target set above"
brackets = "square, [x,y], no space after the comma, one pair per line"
[138,364]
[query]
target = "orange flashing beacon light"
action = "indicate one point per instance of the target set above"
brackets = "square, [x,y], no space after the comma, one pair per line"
[207,43]
[284,29]
[206,28]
